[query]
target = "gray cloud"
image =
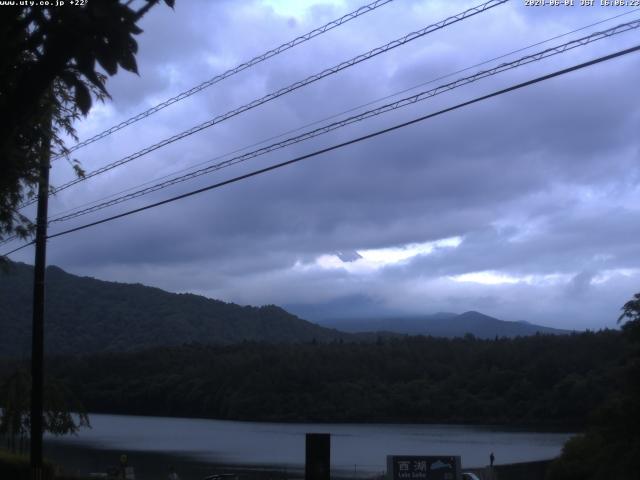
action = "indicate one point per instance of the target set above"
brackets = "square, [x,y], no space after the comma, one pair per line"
[536,183]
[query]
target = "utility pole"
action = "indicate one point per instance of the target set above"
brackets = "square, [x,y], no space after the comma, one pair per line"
[37,339]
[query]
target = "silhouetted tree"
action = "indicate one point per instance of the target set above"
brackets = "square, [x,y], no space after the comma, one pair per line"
[48,74]
[631,316]
[610,448]
[60,406]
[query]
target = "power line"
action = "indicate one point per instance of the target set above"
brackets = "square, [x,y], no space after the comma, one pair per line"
[549,52]
[19,248]
[8,239]
[344,112]
[350,142]
[448,75]
[283,91]
[243,66]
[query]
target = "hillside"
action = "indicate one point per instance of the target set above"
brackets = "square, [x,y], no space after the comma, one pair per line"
[85,315]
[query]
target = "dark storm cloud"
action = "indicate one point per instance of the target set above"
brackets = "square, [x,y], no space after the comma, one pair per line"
[563,245]
[536,183]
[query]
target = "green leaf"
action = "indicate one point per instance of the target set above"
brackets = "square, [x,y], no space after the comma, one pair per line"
[83,97]
[133,45]
[79,171]
[107,59]
[86,63]
[68,78]
[96,80]
[128,62]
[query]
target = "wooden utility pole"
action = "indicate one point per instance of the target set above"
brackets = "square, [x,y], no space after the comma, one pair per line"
[37,339]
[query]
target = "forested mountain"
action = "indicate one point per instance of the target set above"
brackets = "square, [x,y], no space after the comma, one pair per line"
[168,354]
[85,315]
[442,325]
[543,380]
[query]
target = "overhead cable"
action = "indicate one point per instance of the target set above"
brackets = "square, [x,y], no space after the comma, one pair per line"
[337,115]
[239,68]
[344,144]
[549,52]
[341,145]
[283,91]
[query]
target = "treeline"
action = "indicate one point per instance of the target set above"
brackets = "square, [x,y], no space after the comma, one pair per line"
[553,381]
[610,446]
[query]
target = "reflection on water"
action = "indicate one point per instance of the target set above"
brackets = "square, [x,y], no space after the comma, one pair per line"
[363,447]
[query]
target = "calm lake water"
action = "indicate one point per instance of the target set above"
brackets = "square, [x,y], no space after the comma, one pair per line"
[354,447]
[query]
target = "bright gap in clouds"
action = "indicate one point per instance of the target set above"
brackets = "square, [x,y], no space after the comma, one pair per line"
[296,8]
[386,256]
[486,278]
[492,277]
[366,261]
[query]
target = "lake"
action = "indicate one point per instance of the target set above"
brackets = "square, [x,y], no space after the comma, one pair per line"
[356,448]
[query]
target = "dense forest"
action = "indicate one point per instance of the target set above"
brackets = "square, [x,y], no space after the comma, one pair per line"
[85,315]
[544,380]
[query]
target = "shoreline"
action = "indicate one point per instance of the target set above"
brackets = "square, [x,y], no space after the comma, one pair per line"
[80,460]
[358,450]
[506,427]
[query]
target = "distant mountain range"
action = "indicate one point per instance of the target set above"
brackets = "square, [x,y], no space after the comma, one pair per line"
[442,325]
[85,315]
[360,313]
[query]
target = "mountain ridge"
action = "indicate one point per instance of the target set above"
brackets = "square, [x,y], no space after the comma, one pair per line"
[113,316]
[86,315]
[443,324]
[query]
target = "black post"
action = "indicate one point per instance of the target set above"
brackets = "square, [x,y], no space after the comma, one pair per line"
[37,345]
[317,456]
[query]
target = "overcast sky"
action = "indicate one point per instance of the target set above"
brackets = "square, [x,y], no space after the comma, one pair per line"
[524,207]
